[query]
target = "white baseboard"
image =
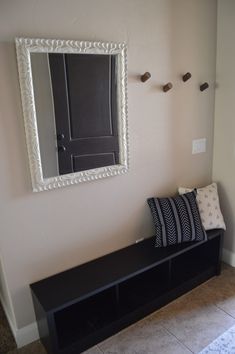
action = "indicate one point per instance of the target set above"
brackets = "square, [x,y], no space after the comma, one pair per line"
[25,335]
[228,257]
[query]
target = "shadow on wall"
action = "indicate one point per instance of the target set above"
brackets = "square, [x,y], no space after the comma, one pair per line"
[227,211]
[17,176]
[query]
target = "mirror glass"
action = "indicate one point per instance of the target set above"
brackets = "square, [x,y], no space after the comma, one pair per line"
[74,102]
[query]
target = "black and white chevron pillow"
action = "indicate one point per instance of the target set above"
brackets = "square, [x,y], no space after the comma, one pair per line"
[176,219]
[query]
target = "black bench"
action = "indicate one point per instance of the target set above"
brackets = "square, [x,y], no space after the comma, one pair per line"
[80,307]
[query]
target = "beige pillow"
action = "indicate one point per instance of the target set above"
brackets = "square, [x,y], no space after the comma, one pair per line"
[208,205]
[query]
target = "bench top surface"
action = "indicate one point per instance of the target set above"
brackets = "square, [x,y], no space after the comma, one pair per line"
[77,283]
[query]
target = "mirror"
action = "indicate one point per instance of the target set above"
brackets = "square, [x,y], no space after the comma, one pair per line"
[74,97]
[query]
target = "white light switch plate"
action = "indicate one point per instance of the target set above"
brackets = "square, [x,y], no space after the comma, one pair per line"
[198,146]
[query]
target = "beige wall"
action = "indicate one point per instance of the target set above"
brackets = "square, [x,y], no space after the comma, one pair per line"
[224,144]
[45,233]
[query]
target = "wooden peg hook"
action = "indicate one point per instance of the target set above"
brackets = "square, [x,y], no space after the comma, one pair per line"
[186,77]
[204,86]
[145,76]
[167,87]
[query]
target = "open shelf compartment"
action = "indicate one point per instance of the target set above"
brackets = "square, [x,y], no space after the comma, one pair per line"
[80,320]
[143,288]
[195,262]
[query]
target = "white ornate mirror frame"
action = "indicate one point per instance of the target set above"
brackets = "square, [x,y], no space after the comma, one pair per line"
[26,46]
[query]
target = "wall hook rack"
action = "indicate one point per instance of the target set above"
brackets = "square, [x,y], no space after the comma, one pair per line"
[204,86]
[167,87]
[145,76]
[186,76]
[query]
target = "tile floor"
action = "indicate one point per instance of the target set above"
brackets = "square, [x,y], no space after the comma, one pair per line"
[186,325]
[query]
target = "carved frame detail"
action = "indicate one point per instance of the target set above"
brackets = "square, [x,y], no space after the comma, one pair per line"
[25,46]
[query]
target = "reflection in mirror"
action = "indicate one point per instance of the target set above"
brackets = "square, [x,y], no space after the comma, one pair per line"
[45,114]
[74,102]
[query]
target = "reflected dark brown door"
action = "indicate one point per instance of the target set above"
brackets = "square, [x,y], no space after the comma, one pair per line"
[84,93]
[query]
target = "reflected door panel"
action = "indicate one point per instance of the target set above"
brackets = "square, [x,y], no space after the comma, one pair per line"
[85,95]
